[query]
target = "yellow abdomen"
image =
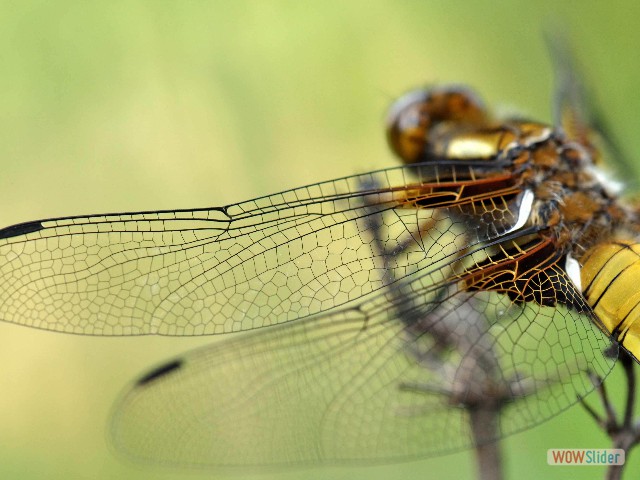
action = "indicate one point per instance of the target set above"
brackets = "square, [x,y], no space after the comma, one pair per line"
[611,284]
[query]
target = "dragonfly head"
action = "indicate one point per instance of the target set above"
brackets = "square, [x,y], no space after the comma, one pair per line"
[413,117]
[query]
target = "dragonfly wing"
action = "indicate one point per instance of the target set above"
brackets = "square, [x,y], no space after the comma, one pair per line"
[578,113]
[262,262]
[386,379]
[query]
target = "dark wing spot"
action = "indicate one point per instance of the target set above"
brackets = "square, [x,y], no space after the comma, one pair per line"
[21,229]
[160,372]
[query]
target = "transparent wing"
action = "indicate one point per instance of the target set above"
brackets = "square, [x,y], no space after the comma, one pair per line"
[580,116]
[395,377]
[261,262]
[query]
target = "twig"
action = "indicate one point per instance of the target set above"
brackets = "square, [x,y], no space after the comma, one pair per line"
[476,383]
[626,433]
[488,456]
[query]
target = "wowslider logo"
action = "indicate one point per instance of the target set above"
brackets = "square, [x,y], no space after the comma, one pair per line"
[585,456]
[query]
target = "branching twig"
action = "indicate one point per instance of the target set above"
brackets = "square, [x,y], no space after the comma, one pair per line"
[624,434]
[471,381]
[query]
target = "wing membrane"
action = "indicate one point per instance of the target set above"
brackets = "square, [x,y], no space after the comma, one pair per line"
[239,267]
[384,379]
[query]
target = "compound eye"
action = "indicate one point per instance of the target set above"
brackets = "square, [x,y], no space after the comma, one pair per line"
[408,123]
[414,115]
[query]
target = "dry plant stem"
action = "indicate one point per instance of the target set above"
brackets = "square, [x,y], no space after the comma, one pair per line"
[484,413]
[488,456]
[624,434]
[627,434]
[608,423]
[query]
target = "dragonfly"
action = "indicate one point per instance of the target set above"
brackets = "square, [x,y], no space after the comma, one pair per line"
[387,313]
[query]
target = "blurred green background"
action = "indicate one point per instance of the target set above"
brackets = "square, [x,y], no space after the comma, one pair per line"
[116,106]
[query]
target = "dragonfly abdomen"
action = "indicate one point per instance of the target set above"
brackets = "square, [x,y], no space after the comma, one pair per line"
[611,284]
